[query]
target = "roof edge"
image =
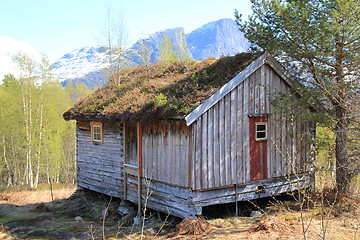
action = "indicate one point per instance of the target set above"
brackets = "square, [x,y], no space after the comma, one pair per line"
[230,85]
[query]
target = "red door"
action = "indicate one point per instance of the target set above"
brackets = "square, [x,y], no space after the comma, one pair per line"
[258,147]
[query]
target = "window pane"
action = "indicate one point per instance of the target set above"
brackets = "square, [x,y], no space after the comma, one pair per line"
[260,134]
[261,127]
[261,131]
[96,133]
[96,129]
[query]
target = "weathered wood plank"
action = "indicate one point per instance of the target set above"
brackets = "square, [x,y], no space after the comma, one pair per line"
[222,169]
[216,141]
[257,86]
[278,136]
[251,89]
[227,137]
[192,160]
[160,162]
[176,156]
[198,144]
[210,148]
[239,135]
[233,137]
[262,94]
[104,190]
[167,161]
[185,159]
[246,134]
[106,172]
[272,128]
[204,150]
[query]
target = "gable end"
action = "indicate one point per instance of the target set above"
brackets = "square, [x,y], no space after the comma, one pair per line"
[266,58]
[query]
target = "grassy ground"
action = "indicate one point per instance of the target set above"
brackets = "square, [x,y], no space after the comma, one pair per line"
[39,214]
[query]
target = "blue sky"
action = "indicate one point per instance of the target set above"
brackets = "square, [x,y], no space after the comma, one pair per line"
[55,27]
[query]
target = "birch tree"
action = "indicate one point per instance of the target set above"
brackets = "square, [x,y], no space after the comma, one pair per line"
[27,68]
[36,144]
[113,35]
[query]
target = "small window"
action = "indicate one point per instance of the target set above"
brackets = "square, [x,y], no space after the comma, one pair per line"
[261,131]
[96,132]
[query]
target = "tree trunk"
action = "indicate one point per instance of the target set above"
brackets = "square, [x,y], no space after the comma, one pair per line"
[26,102]
[8,170]
[40,143]
[342,159]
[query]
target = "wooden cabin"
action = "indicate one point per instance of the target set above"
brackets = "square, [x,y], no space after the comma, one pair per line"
[183,136]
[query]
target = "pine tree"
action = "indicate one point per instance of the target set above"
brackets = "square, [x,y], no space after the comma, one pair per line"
[323,36]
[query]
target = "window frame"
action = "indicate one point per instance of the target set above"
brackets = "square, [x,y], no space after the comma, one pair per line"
[261,131]
[94,125]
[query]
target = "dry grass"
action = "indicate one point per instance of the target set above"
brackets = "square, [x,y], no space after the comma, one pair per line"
[23,198]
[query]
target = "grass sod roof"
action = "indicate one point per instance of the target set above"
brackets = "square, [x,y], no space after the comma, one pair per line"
[159,91]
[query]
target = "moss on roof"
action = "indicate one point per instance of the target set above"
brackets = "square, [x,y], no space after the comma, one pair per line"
[159,91]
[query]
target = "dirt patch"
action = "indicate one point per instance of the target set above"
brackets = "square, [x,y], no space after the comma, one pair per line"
[21,217]
[41,208]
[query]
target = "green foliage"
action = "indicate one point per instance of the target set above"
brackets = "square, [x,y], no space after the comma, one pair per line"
[169,52]
[160,100]
[77,91]
[36,143]
[196,76]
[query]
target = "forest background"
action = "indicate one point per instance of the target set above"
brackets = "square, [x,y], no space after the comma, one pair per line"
[36,144]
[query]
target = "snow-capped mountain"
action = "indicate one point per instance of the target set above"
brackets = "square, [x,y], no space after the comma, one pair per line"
[80,62]
[9,47]
[215,39]
[84,65]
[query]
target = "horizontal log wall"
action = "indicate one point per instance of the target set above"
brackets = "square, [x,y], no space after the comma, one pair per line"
[170,199]
[186,203]
[165,148]
[100,165]
[220,153]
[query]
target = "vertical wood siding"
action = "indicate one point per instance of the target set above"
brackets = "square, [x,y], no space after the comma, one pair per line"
[100,165]
[221,155]
[166,152]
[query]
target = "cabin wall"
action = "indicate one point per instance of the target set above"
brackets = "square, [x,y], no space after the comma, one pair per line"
[221,137]
[165,152]
[164,197]
[290,140]
[99,166]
